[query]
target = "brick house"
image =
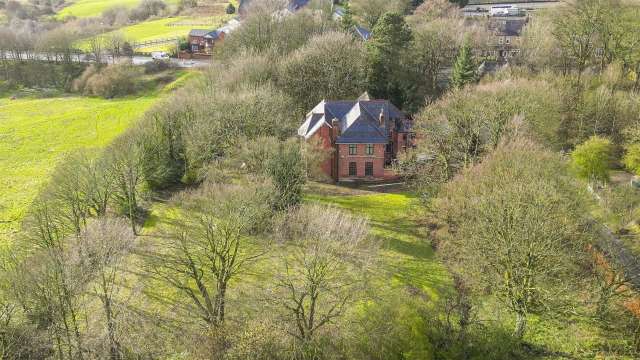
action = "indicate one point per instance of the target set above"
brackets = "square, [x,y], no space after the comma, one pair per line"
[202,41]
[363,136]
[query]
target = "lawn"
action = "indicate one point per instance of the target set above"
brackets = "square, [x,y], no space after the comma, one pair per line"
[35,133]
[91,8]
[407,259]
[406,262]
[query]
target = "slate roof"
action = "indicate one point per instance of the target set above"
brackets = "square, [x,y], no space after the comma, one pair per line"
[209,34]
[508,27]
[358,120]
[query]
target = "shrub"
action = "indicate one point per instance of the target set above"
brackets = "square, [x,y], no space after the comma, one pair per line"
[592,159]
[156,66]
[108,82]
[147,9]
[286,169]
[230,9]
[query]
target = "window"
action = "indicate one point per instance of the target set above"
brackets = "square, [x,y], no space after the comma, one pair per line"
[353,149]
[389,148]
[195,47]
[508,40]
[368,169]
[500,40]
[369,149]
[353,170]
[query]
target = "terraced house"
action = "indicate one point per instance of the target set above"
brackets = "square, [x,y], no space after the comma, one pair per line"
[364,137]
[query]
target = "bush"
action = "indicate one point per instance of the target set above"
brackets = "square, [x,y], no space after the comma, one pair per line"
[108,82]
[286,169]
[147,9]
[156,66]
[230,9]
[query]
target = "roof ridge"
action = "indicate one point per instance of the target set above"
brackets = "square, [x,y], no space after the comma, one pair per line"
[376,124]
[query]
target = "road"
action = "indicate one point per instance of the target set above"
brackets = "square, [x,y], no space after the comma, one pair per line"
[137,60]
[141,60]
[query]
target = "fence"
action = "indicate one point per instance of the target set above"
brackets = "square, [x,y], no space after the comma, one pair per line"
[142,44]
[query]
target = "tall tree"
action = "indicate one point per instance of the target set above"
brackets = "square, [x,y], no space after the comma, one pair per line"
[202,252]
[385,55]
[323,267]
[464,70]
[517,228]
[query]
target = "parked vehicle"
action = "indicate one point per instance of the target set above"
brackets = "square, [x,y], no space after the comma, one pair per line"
[159,55]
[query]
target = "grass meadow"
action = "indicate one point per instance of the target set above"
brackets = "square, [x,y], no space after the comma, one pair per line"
[35,133]
[91,8]
[165,28]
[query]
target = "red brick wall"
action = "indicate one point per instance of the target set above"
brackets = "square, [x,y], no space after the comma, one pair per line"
[323,136]
[360,159]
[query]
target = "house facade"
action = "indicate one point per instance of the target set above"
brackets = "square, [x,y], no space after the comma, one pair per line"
[202,41]
[363,137]
[507,34]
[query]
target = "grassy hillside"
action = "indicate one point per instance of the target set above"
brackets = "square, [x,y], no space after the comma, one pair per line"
[166,28]
[90,8]
[405,262]
[34,133]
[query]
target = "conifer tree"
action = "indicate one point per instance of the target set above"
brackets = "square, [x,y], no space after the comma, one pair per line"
[464,71]
[347,23]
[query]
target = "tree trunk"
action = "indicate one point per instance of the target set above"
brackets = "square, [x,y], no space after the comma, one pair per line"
[521,325]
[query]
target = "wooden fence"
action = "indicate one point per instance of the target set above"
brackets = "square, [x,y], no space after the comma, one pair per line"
[142,44]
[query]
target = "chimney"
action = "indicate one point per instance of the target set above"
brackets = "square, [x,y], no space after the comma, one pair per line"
[381,118]
[335,124]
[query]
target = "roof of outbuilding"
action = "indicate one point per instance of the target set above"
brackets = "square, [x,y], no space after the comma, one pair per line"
[358,120]
[207,33]
[198,32]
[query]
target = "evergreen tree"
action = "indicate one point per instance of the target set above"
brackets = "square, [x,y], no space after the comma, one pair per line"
[347,23]
[464,71]
[385,53]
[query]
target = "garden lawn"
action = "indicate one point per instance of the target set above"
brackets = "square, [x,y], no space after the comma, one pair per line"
[407,259]
[35,133]
[91,8]
[406,262]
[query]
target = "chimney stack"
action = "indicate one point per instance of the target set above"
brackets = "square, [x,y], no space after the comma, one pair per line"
[335,124]
[381,117]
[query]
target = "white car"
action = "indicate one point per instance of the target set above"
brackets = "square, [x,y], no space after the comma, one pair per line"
[159,55]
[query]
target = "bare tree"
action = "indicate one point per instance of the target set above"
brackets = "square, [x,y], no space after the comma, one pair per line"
[47,287]
[101,252]
[127,168]
[325,259]
[209,246]
[517,228]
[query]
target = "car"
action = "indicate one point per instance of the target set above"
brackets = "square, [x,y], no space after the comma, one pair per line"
[159,55]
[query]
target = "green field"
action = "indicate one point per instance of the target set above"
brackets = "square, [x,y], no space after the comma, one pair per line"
[34,133]
[91,8]
[164,29]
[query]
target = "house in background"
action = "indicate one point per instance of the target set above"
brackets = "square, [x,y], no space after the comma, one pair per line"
[363,136]
[506,34]
[202,41]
